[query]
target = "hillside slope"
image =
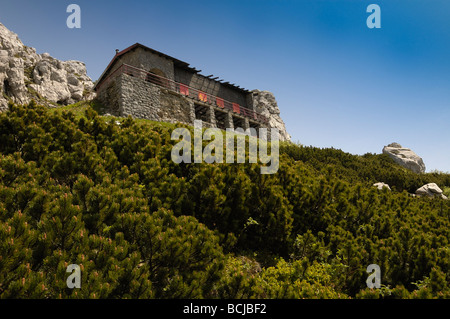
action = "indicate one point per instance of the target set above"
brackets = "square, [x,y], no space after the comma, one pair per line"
[103,193]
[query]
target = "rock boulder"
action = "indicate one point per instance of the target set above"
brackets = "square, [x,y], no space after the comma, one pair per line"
[405,157]
[381,185]
[430,190]
[265,103]
[26,75]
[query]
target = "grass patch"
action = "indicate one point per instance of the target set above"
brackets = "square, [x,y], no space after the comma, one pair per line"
[29,72]
[79,110]
[446,191]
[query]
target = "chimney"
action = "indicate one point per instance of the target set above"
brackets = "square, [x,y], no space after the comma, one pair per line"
[117,51]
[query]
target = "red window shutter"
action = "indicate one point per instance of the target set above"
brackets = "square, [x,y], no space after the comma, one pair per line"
[236,108]
[202,97]
[220,102]
[184,89]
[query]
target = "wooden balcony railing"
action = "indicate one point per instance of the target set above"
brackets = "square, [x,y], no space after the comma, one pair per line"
[185,90]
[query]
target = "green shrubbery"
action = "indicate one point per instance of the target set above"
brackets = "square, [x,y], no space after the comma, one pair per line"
[85,190]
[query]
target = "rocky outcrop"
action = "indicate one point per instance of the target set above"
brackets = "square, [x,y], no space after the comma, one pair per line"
[265,103]
[405,157]
[430,190]
[381,185]
[26,75]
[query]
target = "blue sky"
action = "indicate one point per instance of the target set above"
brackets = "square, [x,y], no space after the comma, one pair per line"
[338,83]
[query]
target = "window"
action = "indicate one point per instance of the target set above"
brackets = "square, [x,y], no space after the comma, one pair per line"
[221,119]
[253,128]
[238,122]
[201,113]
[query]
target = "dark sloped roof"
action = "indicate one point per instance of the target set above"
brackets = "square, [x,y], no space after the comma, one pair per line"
[176,62]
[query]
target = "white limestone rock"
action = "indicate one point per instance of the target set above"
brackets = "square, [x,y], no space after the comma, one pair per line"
[405,157]
[266,104]
[381,185]
[26,75]
[430,190]
[15,82]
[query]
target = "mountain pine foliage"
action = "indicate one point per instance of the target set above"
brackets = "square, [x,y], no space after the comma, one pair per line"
[103,193]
